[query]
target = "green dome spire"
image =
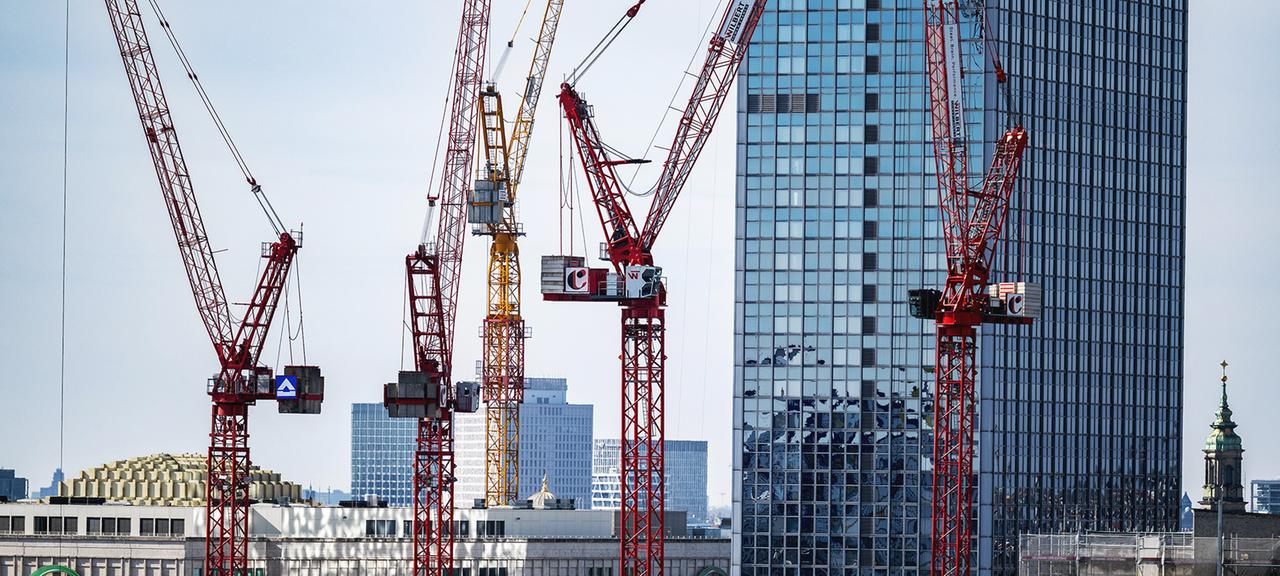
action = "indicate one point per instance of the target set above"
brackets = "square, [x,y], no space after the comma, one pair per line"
[1224,437]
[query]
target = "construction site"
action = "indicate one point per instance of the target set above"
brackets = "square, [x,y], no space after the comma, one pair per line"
[890,283]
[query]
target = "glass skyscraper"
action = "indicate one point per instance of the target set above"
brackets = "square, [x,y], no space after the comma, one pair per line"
[837,218]
[382,454]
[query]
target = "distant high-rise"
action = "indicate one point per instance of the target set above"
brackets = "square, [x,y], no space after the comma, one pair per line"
[1265,495]
[12,486]
[555,439]
[685,479]
[1187,515]
[837,218]
[52,488]
[382,454]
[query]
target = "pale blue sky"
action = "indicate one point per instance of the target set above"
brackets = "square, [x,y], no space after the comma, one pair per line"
[336,106]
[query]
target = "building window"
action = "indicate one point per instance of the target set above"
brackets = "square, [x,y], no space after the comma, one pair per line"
[868,292]
[868,325]
[871,165]
[873,32]
[55,525]
[873,64]
[870,229]
[110,526]
[156,526]
[869,261]
[491,528]
[13,524]
[871,101]
[380,528]
[868,356]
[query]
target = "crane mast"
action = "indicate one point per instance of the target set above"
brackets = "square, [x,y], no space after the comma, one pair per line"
[972,219]
[492,212]
[635,283]
[240,381]
[432,273]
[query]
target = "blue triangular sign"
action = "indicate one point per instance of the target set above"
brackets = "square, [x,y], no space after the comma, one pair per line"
[286,387]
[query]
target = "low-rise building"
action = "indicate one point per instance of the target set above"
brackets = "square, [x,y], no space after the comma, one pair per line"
[168,479]
[1129,554]
[547,538]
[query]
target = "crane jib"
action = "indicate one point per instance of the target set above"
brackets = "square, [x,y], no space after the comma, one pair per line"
[955,90]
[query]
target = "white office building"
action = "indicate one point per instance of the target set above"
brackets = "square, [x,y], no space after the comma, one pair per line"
[540,540]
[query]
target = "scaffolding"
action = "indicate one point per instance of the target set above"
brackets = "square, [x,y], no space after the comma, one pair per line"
[1145,554]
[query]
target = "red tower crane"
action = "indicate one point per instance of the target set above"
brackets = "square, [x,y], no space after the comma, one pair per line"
[972,218]
[241,381]
[433,274]
[635,283]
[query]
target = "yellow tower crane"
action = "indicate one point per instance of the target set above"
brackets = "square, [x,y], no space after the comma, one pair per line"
[492,213]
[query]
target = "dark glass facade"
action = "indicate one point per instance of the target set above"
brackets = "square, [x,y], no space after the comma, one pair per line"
[837,219]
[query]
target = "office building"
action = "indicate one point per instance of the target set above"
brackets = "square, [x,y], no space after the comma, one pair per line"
[320,541]
[382,454]
[1079,415]
[555,441]
[52,488]
[1265,495]
[685,478]
[12,487]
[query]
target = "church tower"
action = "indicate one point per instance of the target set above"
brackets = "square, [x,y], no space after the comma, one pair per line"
[1223,452]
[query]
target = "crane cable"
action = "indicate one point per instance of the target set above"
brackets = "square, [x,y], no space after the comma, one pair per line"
[276,223]
[62,335]
[433,195]
[599,49]
[671,103]
[511,43]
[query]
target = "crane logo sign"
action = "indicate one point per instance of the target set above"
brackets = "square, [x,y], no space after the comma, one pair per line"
[286,387]
[955,94]
[1016,304]
[731,31]
[575,280]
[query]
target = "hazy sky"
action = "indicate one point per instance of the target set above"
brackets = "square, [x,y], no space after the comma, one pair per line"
[336,107]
